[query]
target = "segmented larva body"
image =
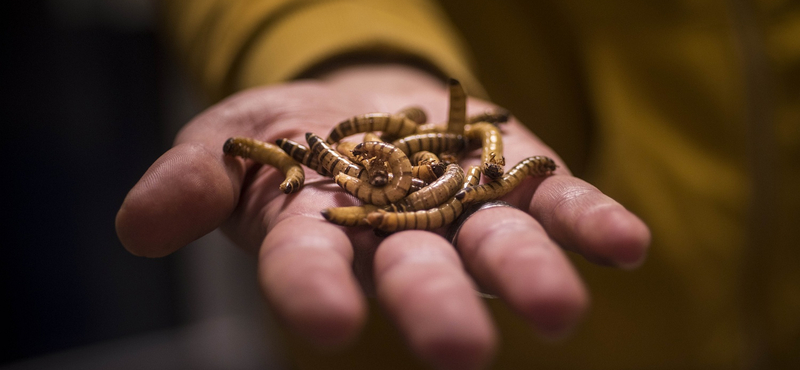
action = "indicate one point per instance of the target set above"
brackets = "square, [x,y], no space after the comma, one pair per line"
[426,219]
[426,166]
[414,113]
[391,124]
[270,154]
[371,136]
[349,216]
[434,194]
[435,142]
[345,148]
[531,166]
[332,161]
[399,183]
[491,147]
[457,113]
[495,117]
[302,154]
[423,157]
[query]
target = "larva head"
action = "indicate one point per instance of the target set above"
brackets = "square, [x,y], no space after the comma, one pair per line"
[358,150]
[236,146]
[228,146]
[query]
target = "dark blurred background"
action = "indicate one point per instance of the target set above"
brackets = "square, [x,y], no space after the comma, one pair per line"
[90,100]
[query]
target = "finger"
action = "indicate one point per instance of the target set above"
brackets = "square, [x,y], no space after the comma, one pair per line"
[423,286]
[581,218]
[185,194]
[509,253]
[305,272]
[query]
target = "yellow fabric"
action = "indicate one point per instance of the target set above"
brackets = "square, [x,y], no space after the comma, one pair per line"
[230,45]
[686,111]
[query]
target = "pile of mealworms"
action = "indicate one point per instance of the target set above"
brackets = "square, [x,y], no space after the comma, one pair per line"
[405,170]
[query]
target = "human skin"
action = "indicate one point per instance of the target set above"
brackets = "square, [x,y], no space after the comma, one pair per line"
[316,275]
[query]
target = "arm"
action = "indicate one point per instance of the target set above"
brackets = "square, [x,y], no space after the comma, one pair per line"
[314,273]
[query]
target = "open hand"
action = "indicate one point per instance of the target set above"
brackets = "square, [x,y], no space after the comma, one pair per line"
[315,274]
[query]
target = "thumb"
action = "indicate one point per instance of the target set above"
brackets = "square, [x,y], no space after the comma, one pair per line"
[187,193]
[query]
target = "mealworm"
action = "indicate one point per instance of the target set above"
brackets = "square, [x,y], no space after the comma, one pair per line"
[423,157]
[497,116]
[416,185]
[437,142]
[392,124]
[266,153]
[349,216]
[425,172]
[398,185]
[434,194]
[491,147]
[531,166]
[301,154]
[415,114]
[428,219]
[426,166]
[330,160]
[371,136]
[457,114]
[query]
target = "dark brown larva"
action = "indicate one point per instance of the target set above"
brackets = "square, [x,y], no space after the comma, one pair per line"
[266,153]
[414,113]
[399,183]
[392,124]
[426,219]
[531,166]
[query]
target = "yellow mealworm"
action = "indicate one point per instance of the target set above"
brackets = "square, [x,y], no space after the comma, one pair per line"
[531,166]
[432,142]
[371,136]
[345,148]
[428,219]
[423,157]
[415,114]
[349,216]
[426,166]
[416,185]
[426,172]
[392,124]
[377,171]
[491,147]
[398,185]
[330,160]
[266,153]
[457,116]
[434,194]
[301,154]
[497,116]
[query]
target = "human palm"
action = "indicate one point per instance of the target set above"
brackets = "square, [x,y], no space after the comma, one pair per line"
[315,274]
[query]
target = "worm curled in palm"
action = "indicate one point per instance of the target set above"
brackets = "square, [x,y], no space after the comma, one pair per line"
[270,154]
[400,179]
[531,166]
[491,147]
[391,124]
[428,219]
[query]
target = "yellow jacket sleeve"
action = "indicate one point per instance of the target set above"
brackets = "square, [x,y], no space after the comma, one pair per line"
[230,45]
